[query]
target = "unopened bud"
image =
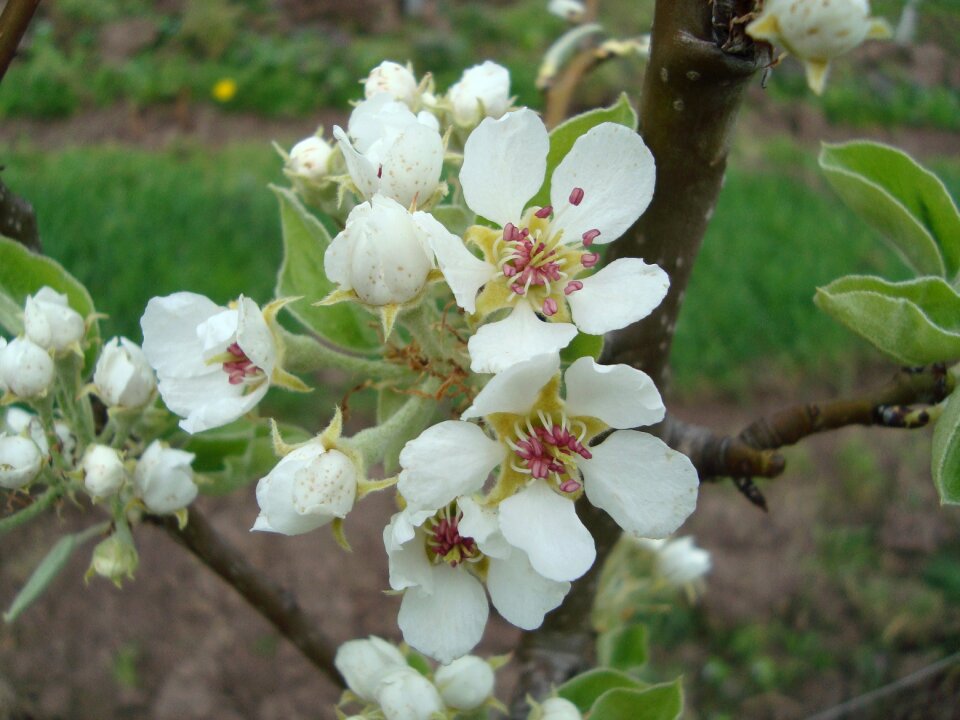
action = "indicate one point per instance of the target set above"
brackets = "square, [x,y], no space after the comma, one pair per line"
[485,86]
[310,159]
[466,683]
[393,79]
[26,368]
[405,694]
[559,709]
[103,471]
[20,461]
[50,322]
[114,559]
[364,663]
[164,479]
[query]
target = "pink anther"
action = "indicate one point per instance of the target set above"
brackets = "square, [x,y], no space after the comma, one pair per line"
[576,196]
[544,212]
[589,236]
[550,307]
[572,287]
[588,260]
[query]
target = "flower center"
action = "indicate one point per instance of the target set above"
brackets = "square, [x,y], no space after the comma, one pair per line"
[546,450]
[444,542]
[240,368]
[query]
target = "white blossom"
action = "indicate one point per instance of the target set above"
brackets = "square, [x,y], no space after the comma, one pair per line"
[397,81]
[20,461]
[103,471]
[309,159]
[26,368]
[678,560]
[483,90]
[405,694]
[123,377]
[466,683]
[817,31]
[391,151]
[558,708]
[308,488]
[571,10]
[164,478]
[114,559]
[214,363]
[533,263]
[3,383]
[364,663]
[50,322]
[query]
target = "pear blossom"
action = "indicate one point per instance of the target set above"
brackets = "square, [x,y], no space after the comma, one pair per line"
[309,159]
[383,253]
[466,683]
[123,377]
[533,262]
[397,81]
[50,322]
[557,708]
[546,461]
[114,559]
[214,363]
[391,151]
[3,384]
[164,478]
[405,694]
[103,471]
[678,560]
[572,10]
[26,368]
[483,90]
[309,487]
[817,31]
[364,663]
[20,461]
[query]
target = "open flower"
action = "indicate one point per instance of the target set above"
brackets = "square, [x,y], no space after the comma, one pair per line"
[391,151]
[546,461]
[214,363]
[533,262]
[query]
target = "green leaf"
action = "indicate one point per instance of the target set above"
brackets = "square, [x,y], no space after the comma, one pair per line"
[624,648]
[43,575]
[23,273]
[914,322]
[564,135]
[902,199]
[945,463]
[301,275]
[659,702]
[455,218]
[582,345]
[584,689]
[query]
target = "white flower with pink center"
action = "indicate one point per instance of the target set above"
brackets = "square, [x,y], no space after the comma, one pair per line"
[546,461]
[214,363]
[532,264]
[391,151]
[442,559]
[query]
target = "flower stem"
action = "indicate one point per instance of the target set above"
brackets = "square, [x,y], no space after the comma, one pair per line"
[419,321]
[35,509]
[304,354]
[373,443]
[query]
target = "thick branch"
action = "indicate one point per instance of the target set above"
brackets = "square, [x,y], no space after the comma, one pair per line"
[265,596]
[14,20]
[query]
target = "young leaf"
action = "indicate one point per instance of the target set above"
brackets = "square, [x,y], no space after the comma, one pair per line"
[624,648]
[915,322]
[584,689]
[945,463]
[659,702]
[43,574]
[305,240]
[903,200]
[564,135]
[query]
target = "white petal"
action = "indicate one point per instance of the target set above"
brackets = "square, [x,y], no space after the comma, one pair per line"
[616,172]
[504,162]
[169,332]
[447,460]
[411,167]
[336,259]
[515,389]
[217,332]
[482,524]
[546,527]
[254,336]
[623,292]
[520,594]
[362,171]
[519,336]
[646,487]
[464,272]
[619,395]
[215,410]
[448,622]
[409,566]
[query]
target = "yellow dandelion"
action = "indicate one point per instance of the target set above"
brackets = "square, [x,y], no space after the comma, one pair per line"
[224,90]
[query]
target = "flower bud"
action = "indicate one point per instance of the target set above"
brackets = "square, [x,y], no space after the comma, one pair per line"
[381,254]
[482,89]
[103,472]
[123,377]
[393,79]
[466,683]
[3,384]
[680,562]
[18,421]
[364,663]
[114,559]
[20,461]
[310,159]
[307,489]
[405,694]
[559,709]
[26,368]
[164,479]
[50,322]
[571,10]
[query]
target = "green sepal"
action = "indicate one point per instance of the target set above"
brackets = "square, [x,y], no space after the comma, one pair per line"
[658,702]
[584,689]
[945,457]
[582,345]
[907,203]
[564,135]
[915,322]
[305,240]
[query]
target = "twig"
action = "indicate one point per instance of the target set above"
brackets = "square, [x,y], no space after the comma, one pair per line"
[265,596]
[17,220]
[31,511]
[14,20]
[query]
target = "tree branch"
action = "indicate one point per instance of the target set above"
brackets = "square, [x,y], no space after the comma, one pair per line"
[265,596]
[14,20]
